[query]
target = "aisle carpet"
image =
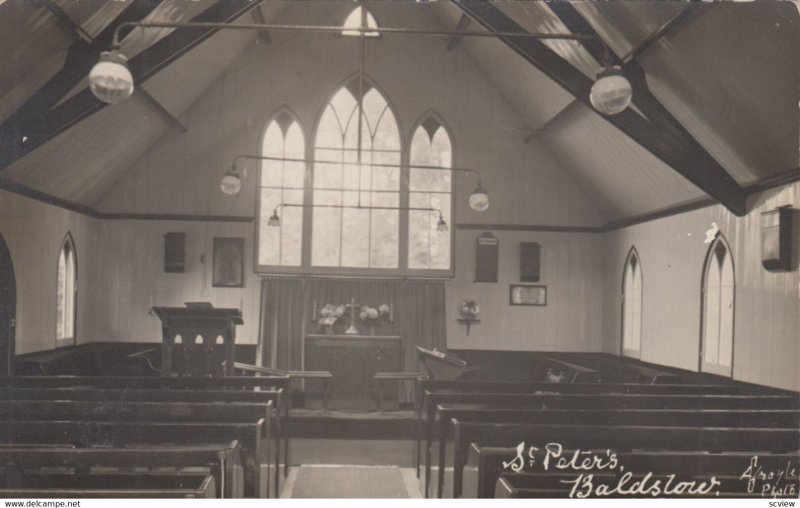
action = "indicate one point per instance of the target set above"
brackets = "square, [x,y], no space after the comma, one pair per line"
[364,482]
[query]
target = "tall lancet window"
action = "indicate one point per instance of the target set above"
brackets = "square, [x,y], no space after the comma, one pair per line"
[430,146]
[632,305]
[716,354]
[66,293]
[355,235]
[282,182]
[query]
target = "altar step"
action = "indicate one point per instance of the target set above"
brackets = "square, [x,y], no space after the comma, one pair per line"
[382,425]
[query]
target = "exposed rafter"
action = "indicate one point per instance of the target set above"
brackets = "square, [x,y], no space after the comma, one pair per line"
[79,32]
[68,21]
[48,124]
[664,137]
[577,24]
[463,23]
[258,17]
[662,31]
[164,112]
[27,128]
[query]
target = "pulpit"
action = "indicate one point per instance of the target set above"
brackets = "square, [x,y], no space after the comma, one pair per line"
[197,339]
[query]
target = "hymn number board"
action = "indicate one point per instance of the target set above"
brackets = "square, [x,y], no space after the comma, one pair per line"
[486,258]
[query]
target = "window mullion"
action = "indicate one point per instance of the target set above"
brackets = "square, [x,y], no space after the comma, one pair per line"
[307,210]
[403,220]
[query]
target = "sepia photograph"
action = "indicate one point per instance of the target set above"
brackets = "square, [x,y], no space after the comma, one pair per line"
[399,249]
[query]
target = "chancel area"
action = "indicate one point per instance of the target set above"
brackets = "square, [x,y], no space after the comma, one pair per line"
[383,249]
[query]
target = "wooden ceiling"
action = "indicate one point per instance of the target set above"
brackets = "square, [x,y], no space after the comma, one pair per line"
[716,90]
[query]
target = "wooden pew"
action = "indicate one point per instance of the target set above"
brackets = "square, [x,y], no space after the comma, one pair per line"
[148,382]
[786,419]
[111,485]
[618,438]
[592,400]
[488,462]
[82,393]
[223,462]
[48,410]
[125,434]
[425,386]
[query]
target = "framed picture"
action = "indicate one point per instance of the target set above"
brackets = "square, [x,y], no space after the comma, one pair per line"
[228,270]
[528,294]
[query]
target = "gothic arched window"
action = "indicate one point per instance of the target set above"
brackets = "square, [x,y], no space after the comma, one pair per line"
[716,353]
[354,21]
[430,146]
[282,182]
[632,305]
[66,293]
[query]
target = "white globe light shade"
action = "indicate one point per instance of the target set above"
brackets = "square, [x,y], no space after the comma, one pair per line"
[230,183]
[612,91]
[479,199]
[110,79]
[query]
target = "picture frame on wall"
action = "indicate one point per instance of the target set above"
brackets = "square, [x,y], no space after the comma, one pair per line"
[228,265]
[527,294]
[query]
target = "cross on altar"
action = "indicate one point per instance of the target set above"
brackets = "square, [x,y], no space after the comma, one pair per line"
[352,330]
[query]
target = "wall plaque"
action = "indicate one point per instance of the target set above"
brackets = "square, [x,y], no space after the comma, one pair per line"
[486,258]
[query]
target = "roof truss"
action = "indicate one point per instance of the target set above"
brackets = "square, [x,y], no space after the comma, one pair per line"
[38,121]
[660,133]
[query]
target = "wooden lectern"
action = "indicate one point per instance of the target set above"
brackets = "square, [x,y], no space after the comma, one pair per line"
[196,339]
[444,366]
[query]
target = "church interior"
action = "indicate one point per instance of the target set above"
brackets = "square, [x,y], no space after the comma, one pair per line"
[399,249]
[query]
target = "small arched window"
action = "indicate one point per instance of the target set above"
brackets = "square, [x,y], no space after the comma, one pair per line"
[632,305]
[716,350]
[354,21]
[430,146]
[282,182]
[66,293]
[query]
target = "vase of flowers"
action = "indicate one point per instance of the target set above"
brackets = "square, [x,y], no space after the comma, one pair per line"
[469,310]
[372,317]
[329,314]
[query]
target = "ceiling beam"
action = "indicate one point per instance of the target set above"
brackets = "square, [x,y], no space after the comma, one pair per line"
[68,21]
[164,112]
[577,24]
[663,138]
[143,66]
[662,31]
[79,32]
[26,128]
[454,41]
[258,17]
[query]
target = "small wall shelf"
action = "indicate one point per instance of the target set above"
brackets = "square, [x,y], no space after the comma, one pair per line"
[468,322]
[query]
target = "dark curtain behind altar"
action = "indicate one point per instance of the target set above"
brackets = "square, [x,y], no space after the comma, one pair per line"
[288,313]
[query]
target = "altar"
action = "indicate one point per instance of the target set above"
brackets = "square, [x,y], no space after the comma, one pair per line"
[353,360]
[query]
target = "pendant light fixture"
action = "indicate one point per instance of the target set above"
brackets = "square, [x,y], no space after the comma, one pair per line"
[110,79]
[231,184]
[479,199]
[611,92]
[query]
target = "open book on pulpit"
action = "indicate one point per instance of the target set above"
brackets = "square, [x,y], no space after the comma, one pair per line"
[443,365]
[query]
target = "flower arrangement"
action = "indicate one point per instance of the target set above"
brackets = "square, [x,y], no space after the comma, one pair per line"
[372,316]
[330,313]
[470,309]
